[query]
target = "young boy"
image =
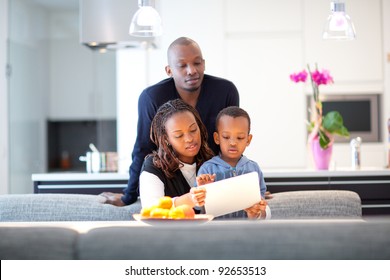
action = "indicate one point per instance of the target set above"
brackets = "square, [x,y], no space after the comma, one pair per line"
[233,136]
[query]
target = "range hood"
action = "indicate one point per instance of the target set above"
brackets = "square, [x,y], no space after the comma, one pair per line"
[104,25]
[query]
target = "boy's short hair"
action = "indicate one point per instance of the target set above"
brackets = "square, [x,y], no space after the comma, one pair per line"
[234,112]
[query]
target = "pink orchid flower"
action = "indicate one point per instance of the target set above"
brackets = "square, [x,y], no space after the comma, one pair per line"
[299,77]
[322,78]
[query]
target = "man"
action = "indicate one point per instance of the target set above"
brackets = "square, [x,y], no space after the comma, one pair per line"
[208,94]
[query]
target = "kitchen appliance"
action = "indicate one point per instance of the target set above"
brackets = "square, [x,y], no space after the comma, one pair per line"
[355,152]
[97,162]
[104,24]
[360,114]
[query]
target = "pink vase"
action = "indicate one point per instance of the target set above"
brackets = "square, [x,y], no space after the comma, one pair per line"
[321,156]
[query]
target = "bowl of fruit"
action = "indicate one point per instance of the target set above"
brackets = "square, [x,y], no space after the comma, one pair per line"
[165,213]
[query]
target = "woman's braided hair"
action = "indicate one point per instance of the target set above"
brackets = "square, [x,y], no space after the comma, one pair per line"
[165,157]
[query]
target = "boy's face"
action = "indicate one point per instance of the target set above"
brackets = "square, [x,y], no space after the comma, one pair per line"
[233,137]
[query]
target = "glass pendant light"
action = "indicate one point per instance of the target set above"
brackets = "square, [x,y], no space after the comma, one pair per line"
[146,21]
[338,25]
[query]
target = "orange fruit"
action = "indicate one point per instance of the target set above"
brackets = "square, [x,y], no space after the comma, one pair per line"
[159,213]
[165,202]
[176,213]
[189,212]
[145,212]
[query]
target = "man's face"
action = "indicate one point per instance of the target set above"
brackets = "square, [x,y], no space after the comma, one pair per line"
[186,66]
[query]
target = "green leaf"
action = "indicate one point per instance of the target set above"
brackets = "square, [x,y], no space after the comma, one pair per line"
[344,132]
[310,126]
[333,123]
[324,140]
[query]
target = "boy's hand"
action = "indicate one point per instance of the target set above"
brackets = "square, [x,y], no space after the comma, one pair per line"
[257,211]
[204,179]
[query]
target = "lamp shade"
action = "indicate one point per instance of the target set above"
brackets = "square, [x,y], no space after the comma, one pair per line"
[146,21]
[339,25]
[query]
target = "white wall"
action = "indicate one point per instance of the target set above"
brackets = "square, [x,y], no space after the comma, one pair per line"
[3,98]
[130,82]
[257,44]
[259,62]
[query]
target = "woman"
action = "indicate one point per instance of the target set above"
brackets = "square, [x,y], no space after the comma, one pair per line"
[181,140]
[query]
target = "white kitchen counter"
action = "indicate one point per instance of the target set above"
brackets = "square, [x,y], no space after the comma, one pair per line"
[271,173]
[291,173]
[79,176]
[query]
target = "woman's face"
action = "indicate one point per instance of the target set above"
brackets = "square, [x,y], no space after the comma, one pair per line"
[184,136]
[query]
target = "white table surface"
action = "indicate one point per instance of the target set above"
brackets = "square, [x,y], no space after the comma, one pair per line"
[79,226]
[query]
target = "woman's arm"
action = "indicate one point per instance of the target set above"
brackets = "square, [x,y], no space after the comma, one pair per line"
[151,188]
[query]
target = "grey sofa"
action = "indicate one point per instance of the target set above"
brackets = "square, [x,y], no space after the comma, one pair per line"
[304,225]
[76,207]
[218,240]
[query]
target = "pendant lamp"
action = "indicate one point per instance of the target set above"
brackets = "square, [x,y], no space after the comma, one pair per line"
[146,21]
[339,25]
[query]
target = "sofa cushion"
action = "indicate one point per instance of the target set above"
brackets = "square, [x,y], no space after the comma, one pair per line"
[242,239]
[37,243]
[62,207]
[315,204]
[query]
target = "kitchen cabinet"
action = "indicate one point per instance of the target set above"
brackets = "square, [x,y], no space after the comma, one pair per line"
[373,186]
[82,81]
[79,183]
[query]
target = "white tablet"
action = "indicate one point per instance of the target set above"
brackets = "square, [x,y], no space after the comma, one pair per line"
[232,194]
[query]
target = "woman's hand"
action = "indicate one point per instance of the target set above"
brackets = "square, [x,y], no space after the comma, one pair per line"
[257,211]
[204,179]
[198,195]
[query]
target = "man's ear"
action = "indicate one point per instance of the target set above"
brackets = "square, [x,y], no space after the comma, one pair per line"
[216,138]
[249,139]
[168,70]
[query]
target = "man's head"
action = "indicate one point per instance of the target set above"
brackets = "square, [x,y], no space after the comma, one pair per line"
[185,64]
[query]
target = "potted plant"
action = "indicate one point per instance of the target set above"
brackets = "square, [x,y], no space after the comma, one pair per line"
[322,128]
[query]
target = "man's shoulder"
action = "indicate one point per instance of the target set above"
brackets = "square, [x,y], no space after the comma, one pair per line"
[220,85]
[216,80]
[160,92]
[163,85]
